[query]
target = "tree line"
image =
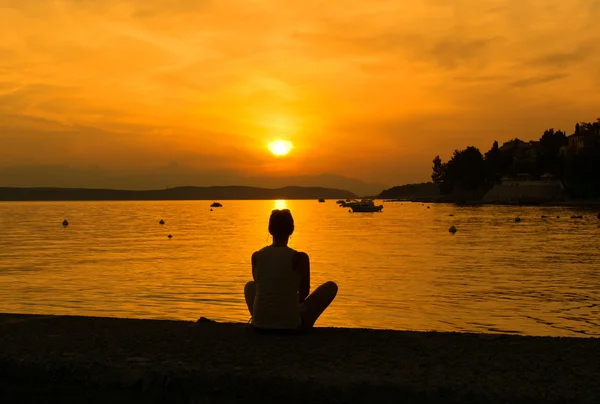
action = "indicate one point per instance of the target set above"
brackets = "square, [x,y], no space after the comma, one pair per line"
[574,160]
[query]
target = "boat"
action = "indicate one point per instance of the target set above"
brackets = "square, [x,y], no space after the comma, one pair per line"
[348,203]
[321,199]
[340,201]
[216,205]
[366,205]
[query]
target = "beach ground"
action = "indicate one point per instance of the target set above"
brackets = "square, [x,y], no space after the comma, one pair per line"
[70,359]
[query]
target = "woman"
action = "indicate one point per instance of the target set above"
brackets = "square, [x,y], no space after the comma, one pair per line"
[278,298]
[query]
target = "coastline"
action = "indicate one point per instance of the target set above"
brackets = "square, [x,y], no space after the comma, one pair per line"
[574,203]
[74,359]
[186,193]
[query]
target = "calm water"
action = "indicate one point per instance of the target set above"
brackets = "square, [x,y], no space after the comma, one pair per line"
[397,269]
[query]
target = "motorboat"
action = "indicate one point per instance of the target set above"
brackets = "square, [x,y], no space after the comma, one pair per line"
[216,205]
[366,205]
[321,200]
[348,203]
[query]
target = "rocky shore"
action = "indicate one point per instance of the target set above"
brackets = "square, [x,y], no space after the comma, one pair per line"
[70,359]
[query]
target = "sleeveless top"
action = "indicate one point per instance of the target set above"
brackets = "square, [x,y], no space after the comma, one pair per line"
[276,303]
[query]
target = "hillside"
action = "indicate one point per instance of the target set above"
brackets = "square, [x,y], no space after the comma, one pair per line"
[178,193]
[411,191]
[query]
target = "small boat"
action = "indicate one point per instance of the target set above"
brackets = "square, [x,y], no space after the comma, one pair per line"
[321,200]
[216,205]
[340,201]
[366,205]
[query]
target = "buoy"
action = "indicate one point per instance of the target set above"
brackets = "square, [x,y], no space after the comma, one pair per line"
[161,222]
[450,214]
[211,209]
[170,236]
[452,229]
[558,217]
[517,219]
[428,207]
[350,210]
[544,216]
[65,222]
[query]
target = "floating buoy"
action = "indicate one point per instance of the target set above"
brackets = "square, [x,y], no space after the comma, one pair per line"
[517,219]
[428,207]
[544,216]
[169,236]
[211,209]
[161,222]
[450,214]
[350,210]
[65,222]
[452,229]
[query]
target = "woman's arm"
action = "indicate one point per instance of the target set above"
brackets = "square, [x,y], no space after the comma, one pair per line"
[253,260]
[302,267]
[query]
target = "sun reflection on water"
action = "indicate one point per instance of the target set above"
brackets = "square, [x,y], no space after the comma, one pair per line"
[280,204]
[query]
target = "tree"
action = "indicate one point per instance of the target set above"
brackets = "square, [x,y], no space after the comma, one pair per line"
[549,159]
[493,169]
[438,170]
[467,168]
[551,141]
[464,171]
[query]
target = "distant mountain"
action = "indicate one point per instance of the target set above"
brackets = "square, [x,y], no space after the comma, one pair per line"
[322,180]
[172,175]
[411,191]
[178,193]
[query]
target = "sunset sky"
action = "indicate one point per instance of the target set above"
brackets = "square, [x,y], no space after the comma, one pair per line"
[366,89]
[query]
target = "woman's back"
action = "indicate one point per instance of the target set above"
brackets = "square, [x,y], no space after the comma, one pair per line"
[276,304]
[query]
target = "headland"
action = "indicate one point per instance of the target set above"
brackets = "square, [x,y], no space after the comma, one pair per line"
[72,359]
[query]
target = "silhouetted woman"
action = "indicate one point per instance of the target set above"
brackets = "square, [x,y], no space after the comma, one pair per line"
[278,298]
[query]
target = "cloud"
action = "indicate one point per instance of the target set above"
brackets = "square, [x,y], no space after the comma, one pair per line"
[533,81]
[452,51]
[561,60]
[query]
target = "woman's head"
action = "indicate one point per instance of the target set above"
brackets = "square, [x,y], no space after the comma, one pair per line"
[281,223]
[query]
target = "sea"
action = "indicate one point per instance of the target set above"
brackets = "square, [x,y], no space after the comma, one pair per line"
[396,269]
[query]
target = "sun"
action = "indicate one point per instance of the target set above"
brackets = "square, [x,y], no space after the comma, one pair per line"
[280,147]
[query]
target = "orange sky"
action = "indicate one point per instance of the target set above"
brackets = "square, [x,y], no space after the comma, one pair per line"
[367,89]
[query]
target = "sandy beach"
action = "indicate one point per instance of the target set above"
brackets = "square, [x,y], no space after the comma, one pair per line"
[72,359]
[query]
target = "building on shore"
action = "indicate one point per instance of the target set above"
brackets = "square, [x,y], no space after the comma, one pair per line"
[586,134]
[523,189]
